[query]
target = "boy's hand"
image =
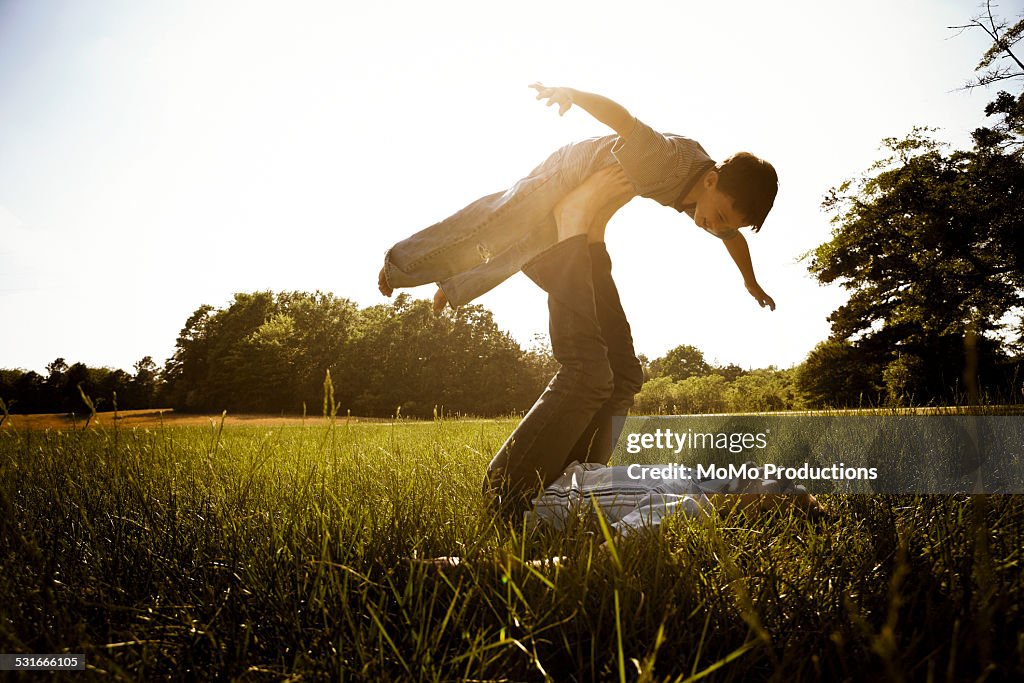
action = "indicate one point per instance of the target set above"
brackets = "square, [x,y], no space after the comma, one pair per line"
[760,296]
[560,96]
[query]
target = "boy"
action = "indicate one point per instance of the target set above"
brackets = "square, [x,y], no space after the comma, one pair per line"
[483,244]
[551,226]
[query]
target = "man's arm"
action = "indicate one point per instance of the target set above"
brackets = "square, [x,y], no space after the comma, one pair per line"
[585,210]
[740,253]
[588,208]
[653,509]
[611,114]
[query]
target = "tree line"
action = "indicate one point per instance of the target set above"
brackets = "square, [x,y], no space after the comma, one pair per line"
[299,352]
[61,389]
[296,352]
[286,352]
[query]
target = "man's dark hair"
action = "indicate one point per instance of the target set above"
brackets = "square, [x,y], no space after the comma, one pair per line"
[752,183]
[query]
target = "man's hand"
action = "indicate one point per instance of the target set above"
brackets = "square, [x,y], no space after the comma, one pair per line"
[760,296]
[588,208]
[560,96]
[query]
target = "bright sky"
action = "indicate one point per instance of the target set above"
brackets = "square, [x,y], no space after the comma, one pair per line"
[156,156]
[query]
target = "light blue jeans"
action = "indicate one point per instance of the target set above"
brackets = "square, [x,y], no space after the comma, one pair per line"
[488,241]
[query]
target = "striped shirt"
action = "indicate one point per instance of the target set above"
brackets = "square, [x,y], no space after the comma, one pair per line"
[506,230]
[631,504]
[662,167]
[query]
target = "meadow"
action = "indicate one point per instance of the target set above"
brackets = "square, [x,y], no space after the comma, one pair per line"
[290,552]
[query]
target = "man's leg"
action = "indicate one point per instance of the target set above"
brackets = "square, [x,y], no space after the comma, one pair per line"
[597,440]
[534,454]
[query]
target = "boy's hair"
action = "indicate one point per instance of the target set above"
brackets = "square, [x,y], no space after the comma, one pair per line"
[752,183]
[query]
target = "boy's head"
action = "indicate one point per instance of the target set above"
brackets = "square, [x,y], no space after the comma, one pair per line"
[739,191]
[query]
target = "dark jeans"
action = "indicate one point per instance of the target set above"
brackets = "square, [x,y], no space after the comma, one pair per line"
[598,376]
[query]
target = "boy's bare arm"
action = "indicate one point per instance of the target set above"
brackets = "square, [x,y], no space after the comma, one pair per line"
[608,112]
[740,253]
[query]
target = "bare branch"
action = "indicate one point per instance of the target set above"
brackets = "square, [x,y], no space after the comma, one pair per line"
[1003,77]
[1003,40]
[991,19]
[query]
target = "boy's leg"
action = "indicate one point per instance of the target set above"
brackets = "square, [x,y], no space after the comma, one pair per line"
[453,245]
[599,437]
[534,454]
[477,233]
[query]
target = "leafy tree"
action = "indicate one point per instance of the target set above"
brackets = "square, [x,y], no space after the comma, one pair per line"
[1007,134]
[70,398]
[53,389]
[680,363]
[258,372]
[11,390]
[262,353]
[658,396]
[930,244]
[999,64]
[270,353]
[143,385]
[763,390]
[407,357]
[28,392]
[701,394]
[839,374]
[229,384]
[693,395]
[105,383]
[730,372]
[186,370]
[324,327]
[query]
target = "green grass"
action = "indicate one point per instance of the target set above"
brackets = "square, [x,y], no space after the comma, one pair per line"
[262,554]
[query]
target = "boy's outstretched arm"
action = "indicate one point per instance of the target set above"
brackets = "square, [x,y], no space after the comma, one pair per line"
[611,114]
[740,253]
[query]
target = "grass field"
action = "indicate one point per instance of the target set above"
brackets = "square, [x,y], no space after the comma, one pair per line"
[281,551]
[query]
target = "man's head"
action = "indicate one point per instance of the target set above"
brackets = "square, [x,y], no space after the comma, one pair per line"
[739,191]
[756,496]
[768,495]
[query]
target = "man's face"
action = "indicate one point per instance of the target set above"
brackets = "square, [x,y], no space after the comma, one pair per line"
[714,210]
[759,497]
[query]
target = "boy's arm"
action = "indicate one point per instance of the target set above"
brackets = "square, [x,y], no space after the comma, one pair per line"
[740,253]
[611,114]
